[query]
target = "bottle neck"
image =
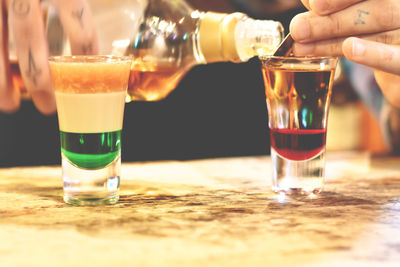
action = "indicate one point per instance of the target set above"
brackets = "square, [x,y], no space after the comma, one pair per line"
[216,36]
[236,37]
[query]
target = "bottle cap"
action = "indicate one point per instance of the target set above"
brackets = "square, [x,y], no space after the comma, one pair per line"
[217,36]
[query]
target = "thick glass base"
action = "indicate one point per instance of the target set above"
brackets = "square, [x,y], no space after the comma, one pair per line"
[294,177]
[91,187]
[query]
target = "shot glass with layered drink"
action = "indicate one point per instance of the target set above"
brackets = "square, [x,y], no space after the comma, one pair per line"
[90,96]
[298,93]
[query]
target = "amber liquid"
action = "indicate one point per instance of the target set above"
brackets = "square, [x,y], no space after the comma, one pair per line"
[17,80]
[297,99]
[298,102]
[147,81]
[153,81]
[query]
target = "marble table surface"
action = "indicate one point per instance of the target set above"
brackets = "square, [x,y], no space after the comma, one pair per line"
[212,212]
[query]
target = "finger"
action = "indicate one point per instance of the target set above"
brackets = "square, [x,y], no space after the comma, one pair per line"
[333,47]
[321,48]
[306,3]
[30,42]
[367,17]
[9,96]
[389,84]
[373,54]
[324,7]
[76,18]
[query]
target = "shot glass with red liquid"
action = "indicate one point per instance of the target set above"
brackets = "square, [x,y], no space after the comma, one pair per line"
[298,92]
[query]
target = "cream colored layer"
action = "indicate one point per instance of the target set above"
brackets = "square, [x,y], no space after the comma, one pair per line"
[90,113]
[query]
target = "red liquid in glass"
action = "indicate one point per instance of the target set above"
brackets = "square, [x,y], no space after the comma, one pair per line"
[298,144]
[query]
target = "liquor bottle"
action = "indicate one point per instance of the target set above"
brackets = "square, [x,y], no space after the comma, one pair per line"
[165,38]
[172,38]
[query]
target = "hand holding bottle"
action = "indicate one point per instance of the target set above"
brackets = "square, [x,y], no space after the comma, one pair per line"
[27,29]
[366,32]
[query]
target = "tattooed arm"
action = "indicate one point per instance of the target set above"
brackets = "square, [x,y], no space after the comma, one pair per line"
[27,27]
[364,31]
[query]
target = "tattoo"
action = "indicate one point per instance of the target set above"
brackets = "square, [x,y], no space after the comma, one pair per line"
[360,19]
[33,72]
[78,15]
[21,7]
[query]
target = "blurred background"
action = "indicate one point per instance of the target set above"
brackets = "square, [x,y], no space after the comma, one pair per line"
[217,110]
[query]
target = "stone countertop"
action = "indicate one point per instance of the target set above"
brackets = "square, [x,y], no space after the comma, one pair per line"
[213,212]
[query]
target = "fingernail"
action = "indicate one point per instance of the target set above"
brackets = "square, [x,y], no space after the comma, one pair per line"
[300,28]
[358,48]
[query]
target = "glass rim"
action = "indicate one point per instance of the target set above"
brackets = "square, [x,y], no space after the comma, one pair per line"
[263,58]
[89,58]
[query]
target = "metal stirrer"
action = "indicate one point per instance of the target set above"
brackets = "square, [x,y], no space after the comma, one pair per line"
[286,47]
